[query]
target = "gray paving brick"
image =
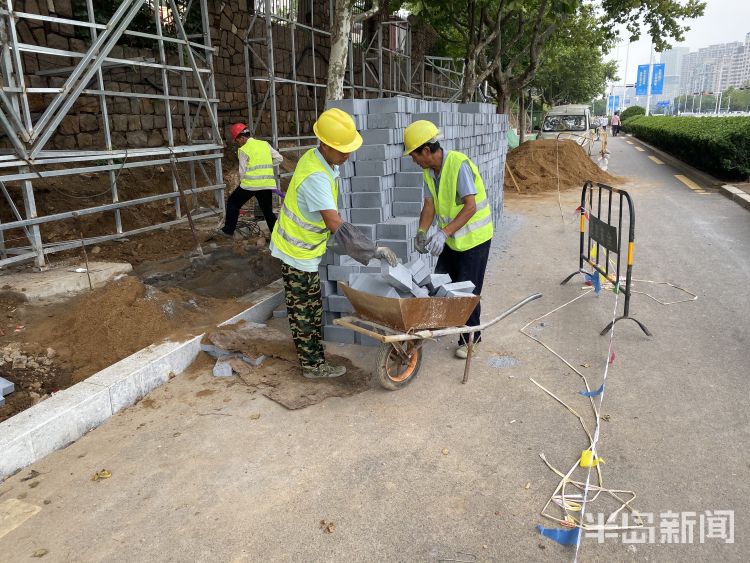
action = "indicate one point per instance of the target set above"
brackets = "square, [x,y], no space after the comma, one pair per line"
[387,120]
[334,333]
[398,276]
[407,164]
[434,281]
[368,183]
[407,208]
[387,105]
[378,136]
[378,152]
[349,105]
[375,167]
[339,304]
[6,387]
[341,273]
[373,284]
[408,194]
[366,216]
[368,230]
[409,179]
[417,291]
[368,199]
[400,247]
[364,340]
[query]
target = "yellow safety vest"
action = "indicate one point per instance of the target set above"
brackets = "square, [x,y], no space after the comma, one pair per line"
[294,234]
[259,172]
[479,228]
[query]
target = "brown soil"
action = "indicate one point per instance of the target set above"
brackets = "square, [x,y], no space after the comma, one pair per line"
[535,167]
[96,329]
[45,348]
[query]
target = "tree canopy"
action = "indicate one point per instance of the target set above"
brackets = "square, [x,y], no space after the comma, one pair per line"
[507,41]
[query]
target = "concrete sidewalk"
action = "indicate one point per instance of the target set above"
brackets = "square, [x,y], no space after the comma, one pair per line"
[442,471]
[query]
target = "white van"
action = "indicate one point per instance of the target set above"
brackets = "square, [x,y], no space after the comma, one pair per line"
[570,122]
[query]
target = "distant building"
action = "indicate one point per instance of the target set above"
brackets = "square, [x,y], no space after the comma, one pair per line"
[716,68]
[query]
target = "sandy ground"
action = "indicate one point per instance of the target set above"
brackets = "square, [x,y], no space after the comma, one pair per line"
[205,470]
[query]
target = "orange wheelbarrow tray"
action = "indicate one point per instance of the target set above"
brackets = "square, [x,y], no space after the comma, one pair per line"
[402,325]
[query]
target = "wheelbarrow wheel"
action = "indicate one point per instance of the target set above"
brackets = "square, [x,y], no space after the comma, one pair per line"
[395,371]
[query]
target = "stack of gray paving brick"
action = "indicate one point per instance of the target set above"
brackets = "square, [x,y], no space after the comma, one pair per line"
[380,190]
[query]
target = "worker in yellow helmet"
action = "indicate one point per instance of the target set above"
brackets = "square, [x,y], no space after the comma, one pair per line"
[307,219]
[454,194]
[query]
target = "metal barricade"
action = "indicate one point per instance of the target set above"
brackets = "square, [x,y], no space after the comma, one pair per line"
[601,243]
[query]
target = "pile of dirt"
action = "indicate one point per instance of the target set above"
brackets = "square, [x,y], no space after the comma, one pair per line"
[535,167]
[99,328]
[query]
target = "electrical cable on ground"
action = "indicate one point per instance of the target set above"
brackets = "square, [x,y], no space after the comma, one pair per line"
[577,502]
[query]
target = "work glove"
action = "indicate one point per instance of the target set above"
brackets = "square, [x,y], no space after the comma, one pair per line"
[436,243]
[385,253]
[420,241]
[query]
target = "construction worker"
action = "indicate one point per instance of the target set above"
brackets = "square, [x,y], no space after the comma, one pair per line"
[257,159]
[307,219]
[454,194]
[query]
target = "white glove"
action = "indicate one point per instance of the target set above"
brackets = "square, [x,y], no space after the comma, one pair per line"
[385,253]
[436,243]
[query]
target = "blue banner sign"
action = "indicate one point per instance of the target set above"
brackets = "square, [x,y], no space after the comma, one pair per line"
[613,103]
[657,79]
[663,104]
[641,83]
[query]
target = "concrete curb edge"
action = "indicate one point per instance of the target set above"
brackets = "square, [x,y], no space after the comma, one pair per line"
[66,416]
[736,195]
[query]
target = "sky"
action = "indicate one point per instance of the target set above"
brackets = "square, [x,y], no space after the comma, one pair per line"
[723,21]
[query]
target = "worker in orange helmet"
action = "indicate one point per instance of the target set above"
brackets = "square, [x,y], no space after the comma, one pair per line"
[257,159]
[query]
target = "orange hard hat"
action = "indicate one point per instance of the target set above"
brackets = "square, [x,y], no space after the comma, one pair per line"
[236,129]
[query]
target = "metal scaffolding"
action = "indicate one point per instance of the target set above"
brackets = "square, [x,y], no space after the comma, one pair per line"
[379,64]
[179,58]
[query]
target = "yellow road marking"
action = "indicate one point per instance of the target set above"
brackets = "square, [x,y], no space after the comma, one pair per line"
[656,160]
[690,184]
[640,149]
[629,142]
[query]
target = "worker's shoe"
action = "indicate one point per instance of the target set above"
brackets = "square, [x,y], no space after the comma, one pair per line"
[463,350]
[324,371]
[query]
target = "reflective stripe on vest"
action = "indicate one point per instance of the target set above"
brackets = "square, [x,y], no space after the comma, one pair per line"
[294,234]
[259,171]
[479,228]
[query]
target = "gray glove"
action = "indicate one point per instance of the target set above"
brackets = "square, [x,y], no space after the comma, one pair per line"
[436,243]
[420,242]
[385,253]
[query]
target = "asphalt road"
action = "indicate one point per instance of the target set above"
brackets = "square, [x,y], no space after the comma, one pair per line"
[441,471]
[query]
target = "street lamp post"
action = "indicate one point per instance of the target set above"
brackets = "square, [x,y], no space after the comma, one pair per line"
[648,87]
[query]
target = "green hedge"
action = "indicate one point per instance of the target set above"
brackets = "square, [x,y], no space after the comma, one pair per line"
[632,111]
[717,145]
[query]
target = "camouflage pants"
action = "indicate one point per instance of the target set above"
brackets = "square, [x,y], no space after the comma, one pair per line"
[304,304]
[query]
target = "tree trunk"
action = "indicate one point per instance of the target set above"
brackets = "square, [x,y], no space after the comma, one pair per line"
[521,118]
[470,80]
[340,32]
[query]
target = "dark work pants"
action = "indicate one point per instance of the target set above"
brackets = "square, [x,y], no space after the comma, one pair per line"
[468,265]
[615,130]
[240,197]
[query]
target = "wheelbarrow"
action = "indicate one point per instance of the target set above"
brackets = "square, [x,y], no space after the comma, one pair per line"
[403,325]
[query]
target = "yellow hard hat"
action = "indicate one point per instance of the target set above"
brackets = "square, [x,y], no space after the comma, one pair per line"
[417,134]
[336,129]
